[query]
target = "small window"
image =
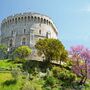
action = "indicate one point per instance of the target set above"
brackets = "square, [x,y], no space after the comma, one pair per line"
[28,17]
[47,21]
[16,20]
[38,19]
[39,31]
[24,31]
[41,19]
[31,17]
[25,18]
[10,20]
[24,41]
[12,33]
[21,18]
[44,20]
[35,18]
[11,41]
[48,35]
[13,19]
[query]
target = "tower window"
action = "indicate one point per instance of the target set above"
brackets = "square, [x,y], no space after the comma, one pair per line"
[48,35]
[28,17]
[12,33]
[11,41]
[24,31]
[24,41]
[39,31]
[31,17]
[21,18]
[16,20]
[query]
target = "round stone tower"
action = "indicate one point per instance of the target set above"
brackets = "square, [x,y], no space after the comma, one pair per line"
[26,29]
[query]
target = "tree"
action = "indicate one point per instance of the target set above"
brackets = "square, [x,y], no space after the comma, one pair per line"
[3,51]
[22,51]
[52,49]
[81,62]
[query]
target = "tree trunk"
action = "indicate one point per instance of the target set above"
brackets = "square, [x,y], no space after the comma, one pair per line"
[81,81]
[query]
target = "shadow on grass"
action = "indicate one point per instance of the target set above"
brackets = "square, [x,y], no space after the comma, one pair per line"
[9,82]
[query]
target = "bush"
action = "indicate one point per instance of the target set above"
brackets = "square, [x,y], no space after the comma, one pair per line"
[56,71]
[15,73]
[67,76]
[10,82]
[63,74]
[50,81]
[31,86]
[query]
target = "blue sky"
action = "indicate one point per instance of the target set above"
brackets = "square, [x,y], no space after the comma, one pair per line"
[71,17]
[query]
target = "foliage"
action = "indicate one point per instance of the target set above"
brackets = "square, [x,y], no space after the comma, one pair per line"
[56,71]
[81,62]
[63,74]
[57,78]
[6,64]
[52,49]
[10,82]
[15,72]
[3,52]
[50,81]
[22,51]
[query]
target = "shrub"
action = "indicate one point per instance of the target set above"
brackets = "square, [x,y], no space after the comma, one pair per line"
[22,52]
[15,73]
[31,86]
[50,81]
[66,75]
[56,71]
[10,82]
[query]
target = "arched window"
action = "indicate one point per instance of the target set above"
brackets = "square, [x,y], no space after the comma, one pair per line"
[47,21]
[38,19]
[39,31]
[11,33]
[24,41]
[10,20]
[24,31]
[48,35]
[13,20]
[25,18]
[35,18]
[28,17]
[11,43]
[41,19]
[16,20]
[44,20]
[21,18]
[32,18]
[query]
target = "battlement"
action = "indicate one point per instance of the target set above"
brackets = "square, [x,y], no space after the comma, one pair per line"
[28,16]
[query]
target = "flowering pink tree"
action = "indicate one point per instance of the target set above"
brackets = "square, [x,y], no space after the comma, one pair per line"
[81,62]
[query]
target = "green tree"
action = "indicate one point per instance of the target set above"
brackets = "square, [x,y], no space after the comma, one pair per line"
[3,51]
[63,56]
[52,49]
[22,51]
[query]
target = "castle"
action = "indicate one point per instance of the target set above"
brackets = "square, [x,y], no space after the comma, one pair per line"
[26,29]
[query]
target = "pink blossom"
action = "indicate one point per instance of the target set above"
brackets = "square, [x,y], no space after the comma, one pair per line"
[81,60]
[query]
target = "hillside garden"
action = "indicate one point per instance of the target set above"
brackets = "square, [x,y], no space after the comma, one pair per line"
[59,70]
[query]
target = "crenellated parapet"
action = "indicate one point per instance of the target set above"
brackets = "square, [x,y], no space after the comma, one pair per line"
[28,17]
